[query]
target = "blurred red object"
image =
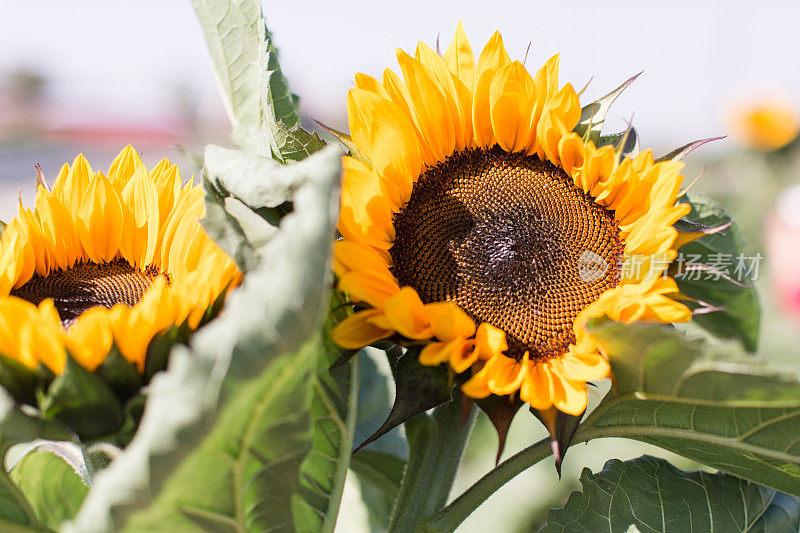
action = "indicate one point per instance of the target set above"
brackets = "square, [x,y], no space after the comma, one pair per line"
[783,246]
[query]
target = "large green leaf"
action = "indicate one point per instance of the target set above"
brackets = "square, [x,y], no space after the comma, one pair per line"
[652,495]
[229,436]
[260,106]
[732,292]
[379,475]
[703,399]
[53,488]
[16,514]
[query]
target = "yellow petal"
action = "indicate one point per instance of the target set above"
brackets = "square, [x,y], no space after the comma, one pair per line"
[434,354]
[406,314]
[506,374]
[385,135]
[585,366]
[430,109]
[370,287]
[492,58]
[352,256]
[568,396]
[366,214]
[123,167]
[140,196]
[512,97]
[461,354]
[100,220]
[490,341]
[89,339]
[460,62]
[449,321]
[436,67]
[358,330]
[537,387]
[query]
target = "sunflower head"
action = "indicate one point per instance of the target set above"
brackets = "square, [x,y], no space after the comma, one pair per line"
[485,221]
[102,276]
[766,126]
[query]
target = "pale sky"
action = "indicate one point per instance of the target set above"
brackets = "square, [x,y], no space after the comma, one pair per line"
[698,58]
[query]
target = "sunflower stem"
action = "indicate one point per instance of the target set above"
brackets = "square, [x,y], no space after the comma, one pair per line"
[435,445]
[450,517]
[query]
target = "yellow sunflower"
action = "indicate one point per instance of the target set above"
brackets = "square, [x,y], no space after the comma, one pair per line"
[478,223]
[106,261]
[767,125]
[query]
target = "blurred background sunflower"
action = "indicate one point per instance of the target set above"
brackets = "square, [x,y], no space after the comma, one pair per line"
[159,92]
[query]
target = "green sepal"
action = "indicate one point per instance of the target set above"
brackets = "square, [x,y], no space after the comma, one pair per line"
[418,388]
[679,153]
[562,427]
[625,143]
[501,411]
[160,346]
[348,143]
[735,302]
[593,115]
[20,381]
[83,401]
[120,374]
[2,227]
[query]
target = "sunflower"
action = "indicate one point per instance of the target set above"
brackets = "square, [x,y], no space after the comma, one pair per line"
[767,125]
[476,222]
[106,262]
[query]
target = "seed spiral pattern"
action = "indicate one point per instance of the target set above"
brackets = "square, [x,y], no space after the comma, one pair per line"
[512,241]
[87,285]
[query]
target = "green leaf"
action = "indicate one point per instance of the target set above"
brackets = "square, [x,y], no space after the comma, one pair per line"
[19,380]
[379,475]
[652,495]
[18,426]
[702,399]
[242,229]
[594,115]
[16,514]
[53,489]
[262,110]
[83,401]
[231,431]
[739,314]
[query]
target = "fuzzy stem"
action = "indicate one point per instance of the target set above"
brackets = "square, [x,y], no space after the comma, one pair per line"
[435,446]
[450,517]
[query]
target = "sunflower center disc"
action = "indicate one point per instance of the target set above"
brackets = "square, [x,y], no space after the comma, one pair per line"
[88,285]
[512,241]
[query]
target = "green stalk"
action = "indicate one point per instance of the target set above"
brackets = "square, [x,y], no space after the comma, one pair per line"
[435,446]
[450,517]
